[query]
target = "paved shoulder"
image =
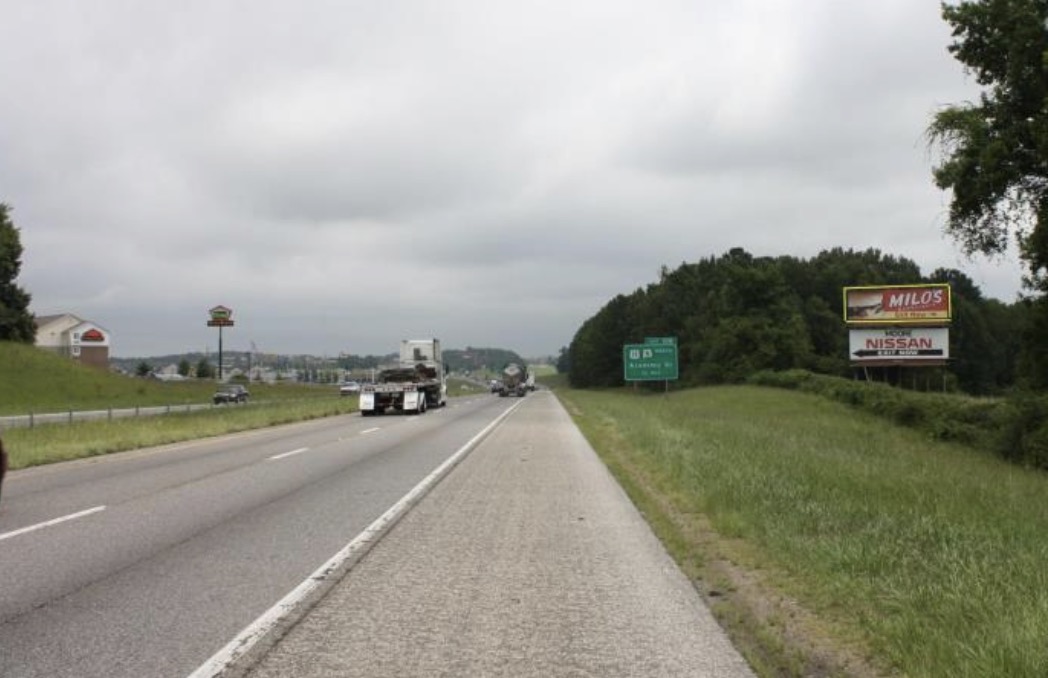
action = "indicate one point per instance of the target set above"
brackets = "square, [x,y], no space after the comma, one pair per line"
[527,560]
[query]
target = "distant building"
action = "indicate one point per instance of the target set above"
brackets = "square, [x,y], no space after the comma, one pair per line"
[81,340]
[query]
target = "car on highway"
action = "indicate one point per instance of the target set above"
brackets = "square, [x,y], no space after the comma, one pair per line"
[231,393]
[3,465]
[349,388]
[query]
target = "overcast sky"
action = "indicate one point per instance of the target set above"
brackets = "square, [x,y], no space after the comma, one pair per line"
[346,174]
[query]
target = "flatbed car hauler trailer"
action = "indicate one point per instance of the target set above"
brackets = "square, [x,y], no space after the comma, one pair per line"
[417,383]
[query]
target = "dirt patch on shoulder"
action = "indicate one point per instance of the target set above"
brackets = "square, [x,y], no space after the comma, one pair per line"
[778,635]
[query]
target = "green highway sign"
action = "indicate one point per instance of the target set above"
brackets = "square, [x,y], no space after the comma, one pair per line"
[652,361]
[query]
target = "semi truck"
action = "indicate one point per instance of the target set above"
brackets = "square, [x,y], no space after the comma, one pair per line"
[417,383]
[514,381]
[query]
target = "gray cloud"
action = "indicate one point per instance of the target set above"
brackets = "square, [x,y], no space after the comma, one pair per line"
[347,174]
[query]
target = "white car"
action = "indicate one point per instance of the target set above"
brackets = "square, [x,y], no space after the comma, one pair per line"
[349,388]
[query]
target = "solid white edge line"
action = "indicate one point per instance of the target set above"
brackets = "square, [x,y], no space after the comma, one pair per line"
[284,455]
[330,572]
[49,523]
[370,430]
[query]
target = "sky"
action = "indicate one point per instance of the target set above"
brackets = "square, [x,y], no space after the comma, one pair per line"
[347,174]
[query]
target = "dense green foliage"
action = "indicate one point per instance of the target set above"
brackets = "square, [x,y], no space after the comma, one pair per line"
[995,151]
[738,314]
[16,322]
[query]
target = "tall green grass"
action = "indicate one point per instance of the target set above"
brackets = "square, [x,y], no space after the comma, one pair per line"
[62,442]
[932,553]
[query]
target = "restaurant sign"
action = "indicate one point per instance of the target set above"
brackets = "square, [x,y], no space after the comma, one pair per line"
[898,304]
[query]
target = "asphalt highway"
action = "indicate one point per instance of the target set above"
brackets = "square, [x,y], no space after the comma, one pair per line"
[527,560]
[147,563]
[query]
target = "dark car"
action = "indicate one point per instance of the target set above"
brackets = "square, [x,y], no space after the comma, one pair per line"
[231,393]
[3,464]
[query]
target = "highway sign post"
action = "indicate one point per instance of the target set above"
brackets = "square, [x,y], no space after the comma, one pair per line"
[654,360]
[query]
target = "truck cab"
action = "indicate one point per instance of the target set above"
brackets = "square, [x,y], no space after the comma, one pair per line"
[417,383]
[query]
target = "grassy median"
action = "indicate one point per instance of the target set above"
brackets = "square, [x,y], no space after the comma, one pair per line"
[51,443]
[831,542]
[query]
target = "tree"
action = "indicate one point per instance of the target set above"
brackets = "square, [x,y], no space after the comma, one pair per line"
[183,367]
[204,369]
[16,322]
[143,369]
[563,361]
[995,152]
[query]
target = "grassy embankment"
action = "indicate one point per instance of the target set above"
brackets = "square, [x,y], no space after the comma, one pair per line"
[830,541]
[32,380]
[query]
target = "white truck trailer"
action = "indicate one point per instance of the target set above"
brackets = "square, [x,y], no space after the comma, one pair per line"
[417,383]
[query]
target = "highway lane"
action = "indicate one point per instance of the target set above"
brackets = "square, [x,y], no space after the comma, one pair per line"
[171,551]
[527,561]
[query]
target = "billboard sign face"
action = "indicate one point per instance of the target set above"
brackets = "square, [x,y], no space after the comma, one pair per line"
[650,361]
[221,316]
[897,304]
[899,344]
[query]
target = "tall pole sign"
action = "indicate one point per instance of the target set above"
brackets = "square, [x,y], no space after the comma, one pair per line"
[220,317]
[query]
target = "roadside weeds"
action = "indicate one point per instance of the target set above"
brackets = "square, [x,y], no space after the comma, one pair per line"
[776,635]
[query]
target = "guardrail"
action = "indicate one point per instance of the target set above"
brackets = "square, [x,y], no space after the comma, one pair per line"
[33,418]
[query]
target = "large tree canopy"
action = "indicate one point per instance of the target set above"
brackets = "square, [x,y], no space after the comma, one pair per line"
[995,152]
[737,314]
[16,322]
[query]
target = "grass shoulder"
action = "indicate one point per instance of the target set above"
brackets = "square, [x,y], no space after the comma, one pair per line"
[829,541]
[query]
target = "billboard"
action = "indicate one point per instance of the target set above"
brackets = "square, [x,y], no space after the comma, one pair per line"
[899,344]
[898,304]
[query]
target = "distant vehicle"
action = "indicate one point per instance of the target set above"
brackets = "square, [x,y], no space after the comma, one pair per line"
[349,388]
[231,393]
[495,385]
[514,381]
[3,465]
[415,385]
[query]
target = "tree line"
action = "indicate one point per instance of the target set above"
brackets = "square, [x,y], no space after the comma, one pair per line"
[737,314]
